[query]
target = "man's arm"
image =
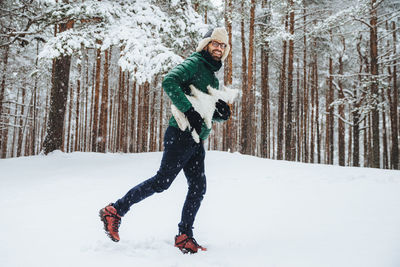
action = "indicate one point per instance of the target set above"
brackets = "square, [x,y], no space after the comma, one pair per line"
[175,79]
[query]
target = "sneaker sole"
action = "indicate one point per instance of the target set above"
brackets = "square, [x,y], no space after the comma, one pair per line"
[103,219]
[187,251]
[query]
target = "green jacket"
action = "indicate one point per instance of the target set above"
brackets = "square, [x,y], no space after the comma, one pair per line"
[199,70]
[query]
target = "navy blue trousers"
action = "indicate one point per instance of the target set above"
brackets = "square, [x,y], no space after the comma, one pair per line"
[180,152]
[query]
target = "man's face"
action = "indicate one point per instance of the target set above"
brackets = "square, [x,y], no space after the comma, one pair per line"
[216,50]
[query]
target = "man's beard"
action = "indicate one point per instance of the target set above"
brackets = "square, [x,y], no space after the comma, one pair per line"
[213,54]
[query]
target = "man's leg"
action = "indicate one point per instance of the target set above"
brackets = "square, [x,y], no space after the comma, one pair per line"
[178,149]
[194,171]
[177,152]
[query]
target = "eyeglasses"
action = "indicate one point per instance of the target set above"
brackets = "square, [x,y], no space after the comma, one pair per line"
[216,44]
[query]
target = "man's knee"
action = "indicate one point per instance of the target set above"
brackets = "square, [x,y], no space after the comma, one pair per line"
[161,184]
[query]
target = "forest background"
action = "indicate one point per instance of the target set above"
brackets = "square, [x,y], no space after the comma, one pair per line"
[319,79]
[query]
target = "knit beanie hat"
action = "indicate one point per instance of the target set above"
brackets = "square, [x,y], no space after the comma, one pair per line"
[217,34]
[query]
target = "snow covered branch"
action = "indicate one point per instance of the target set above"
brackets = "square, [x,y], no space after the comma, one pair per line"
[151,41]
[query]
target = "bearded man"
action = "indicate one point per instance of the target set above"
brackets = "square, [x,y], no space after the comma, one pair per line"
[180,149]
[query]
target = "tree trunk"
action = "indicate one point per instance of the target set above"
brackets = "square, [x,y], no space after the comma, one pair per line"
[3,124]
[205,15]
[58,99]
[349,146]
[104,106]
[265,107]
[86,138]
[140,120]
[78,103]
[4,135]
[118,113]
[46,118]
[312,118]
[298,114]
[255,109]
[70,106]
[126,114]
[161,121]
[281,100]
[245,97]
[21,124]
[317,107]
[228,74]
[384,137]
[365,142]
[341,126]
[250,86]
[28,124]
[355,112]
[133,119]
[14,135]
[374,85]
[152,130]
[95,129]
[124,105]
[34,113]
[329,115]
[394,157]
[145,129]
[289,149]
[356,136]
[305,90]
[113,119]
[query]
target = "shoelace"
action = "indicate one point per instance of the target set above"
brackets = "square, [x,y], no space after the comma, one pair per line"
[116,223]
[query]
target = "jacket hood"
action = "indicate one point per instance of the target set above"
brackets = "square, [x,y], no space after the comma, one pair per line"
[217,34]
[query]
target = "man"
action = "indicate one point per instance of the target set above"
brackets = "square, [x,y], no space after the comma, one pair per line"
[180,150]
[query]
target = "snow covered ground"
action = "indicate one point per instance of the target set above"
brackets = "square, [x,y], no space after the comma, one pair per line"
[256,212]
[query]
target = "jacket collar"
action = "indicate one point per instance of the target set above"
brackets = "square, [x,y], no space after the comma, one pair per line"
[214,65]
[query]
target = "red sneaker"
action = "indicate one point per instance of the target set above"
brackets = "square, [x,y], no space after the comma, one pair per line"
[112,221]
[187,244]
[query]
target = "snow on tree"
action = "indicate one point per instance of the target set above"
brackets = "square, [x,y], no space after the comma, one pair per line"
[152,36]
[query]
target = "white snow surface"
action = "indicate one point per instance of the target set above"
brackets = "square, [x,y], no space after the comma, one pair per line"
[256,212]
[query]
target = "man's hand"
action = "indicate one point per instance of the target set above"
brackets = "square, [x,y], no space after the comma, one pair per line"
[222,110]
[194,119]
